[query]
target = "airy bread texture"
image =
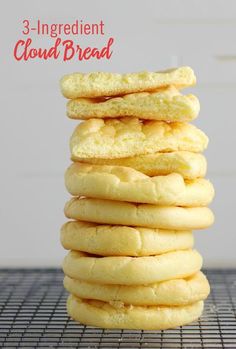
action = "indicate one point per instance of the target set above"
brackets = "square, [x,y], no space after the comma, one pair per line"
[167,105]
[99,84]
[126,184]
[187,164]
[172,292]
[117,270]
[144,215]
[105,315]
[108,240]
[127,137]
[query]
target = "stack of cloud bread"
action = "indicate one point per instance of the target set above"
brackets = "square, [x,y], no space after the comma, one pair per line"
[138,192]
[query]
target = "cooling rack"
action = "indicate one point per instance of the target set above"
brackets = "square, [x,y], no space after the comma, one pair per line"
[33,315]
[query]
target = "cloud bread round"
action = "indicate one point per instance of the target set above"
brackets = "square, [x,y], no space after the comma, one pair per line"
[187,164]
[100,84]
[126,184]
[107,240]
[127,137]
[119,270]
[105,315]
[167,105]
[145,215]
[172,292]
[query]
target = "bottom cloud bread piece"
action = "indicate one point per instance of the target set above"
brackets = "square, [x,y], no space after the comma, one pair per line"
[106,315]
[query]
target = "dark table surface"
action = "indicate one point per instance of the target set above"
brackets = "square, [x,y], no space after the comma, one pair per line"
[33,315]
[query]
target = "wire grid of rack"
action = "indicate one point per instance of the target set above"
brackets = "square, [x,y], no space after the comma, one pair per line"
[33,315]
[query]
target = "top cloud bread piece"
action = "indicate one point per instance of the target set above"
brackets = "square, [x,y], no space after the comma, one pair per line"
[166,104]
[102,84]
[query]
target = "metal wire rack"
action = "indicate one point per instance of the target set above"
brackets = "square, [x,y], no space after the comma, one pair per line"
[33,315]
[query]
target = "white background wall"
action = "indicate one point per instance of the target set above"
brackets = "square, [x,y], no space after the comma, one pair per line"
[34,131]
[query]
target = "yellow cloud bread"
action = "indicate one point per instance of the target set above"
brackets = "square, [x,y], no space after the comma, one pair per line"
[105,315]
[99,84]
[187,164]
[127,137]
[126,184]
[121,270]
[107,240]
[145,215]
[167,105]
[172,292]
